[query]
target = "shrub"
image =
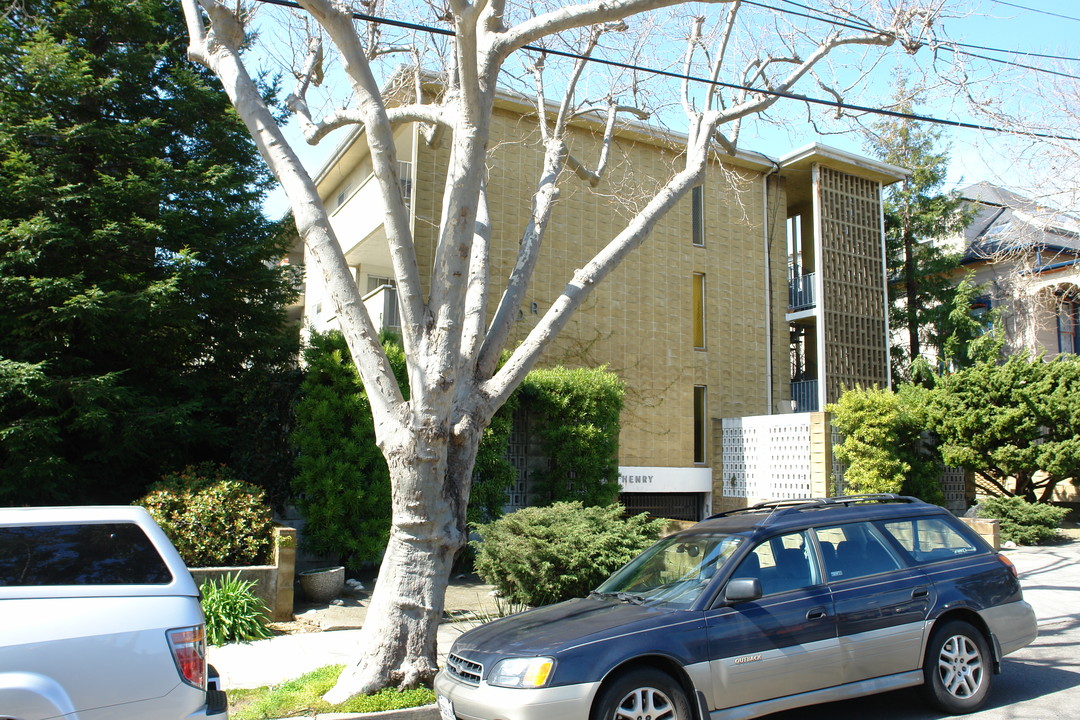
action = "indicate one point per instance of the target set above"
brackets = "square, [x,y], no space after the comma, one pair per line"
[884,443]
[212,518]
[541,555]
[342,482]
[1022,522]
[233,612]
[575,415]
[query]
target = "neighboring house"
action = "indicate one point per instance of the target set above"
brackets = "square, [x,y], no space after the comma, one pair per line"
[1027,258]
[761,294]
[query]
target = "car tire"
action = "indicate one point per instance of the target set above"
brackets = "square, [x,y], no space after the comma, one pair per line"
[642,693]
[957,672]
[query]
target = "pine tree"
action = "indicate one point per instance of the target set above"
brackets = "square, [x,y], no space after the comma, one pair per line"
[140,300]
[916,214]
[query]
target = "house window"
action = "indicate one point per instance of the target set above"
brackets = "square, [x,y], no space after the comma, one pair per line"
[697,215]
[1067,318]
[700,425]
[699,311]
[405,178]
[375,282]
[344,194]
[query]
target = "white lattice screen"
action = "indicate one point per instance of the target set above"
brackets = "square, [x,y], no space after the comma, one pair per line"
[767,456]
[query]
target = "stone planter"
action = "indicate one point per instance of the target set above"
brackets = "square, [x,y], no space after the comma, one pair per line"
[323,584]
[273,583]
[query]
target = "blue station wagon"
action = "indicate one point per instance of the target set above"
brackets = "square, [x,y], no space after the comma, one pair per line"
[758,610]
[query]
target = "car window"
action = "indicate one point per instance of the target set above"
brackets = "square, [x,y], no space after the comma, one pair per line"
[854,550]
[673,572]
[781,563]
[80,554]
[929,539]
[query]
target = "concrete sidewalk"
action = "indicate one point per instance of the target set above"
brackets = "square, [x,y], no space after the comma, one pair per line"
[285,657]
[335,636]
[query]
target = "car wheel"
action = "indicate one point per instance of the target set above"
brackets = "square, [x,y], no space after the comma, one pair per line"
[640,694]
[957,672]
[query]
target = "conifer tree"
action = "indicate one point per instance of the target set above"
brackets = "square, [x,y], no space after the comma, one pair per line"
[917,213]
[139,298]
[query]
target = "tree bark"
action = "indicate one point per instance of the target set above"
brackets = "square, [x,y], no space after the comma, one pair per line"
[397,644]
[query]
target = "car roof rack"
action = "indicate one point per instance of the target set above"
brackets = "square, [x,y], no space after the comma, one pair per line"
[778,508]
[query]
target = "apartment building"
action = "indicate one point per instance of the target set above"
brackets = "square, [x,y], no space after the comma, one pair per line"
[761,294]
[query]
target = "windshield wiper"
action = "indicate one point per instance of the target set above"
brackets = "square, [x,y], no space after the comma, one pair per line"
[623,596]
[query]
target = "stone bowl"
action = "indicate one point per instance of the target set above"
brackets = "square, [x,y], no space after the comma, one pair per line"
[322,584]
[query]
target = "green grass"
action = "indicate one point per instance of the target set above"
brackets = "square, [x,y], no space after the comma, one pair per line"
[304,695]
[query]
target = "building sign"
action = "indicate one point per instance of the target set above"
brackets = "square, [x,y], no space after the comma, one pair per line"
[665,479]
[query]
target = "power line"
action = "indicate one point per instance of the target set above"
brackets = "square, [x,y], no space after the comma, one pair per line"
[717,83]
[1036,10]
[839,21]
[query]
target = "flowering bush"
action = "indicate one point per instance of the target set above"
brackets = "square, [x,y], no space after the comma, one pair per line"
[212,518]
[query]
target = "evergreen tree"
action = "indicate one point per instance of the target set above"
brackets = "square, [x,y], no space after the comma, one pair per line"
[916,213]
[140,300]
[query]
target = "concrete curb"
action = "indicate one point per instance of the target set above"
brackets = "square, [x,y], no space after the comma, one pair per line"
[424,712]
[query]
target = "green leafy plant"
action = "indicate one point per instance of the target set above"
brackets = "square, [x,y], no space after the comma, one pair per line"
[884,442]
[541,555]
[233,612]
[342,483]
[212,518]
[1022,522]
[575,413]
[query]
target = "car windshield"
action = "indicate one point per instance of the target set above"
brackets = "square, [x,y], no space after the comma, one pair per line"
[674,572]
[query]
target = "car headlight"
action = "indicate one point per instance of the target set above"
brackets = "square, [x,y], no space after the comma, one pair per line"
[521,672]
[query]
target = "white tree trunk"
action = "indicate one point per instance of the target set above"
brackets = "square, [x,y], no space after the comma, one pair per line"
[397,645]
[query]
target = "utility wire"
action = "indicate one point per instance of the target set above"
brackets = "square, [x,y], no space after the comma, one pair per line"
[1035,10]
[707,81]
[839,21]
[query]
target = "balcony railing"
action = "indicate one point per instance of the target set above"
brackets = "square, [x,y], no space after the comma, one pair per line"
[382,306]
[801,293]
[804,396]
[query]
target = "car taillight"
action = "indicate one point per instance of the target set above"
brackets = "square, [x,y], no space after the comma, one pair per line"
[1008,563]
[188,647]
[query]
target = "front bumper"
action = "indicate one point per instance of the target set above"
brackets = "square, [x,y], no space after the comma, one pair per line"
[487,702]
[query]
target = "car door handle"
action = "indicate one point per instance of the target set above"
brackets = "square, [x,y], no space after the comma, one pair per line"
[920,592]
[815,613]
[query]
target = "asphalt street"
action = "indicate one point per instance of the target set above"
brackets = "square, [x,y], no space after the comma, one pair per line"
[1040,682]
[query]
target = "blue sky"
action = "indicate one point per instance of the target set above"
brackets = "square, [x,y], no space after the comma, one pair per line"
[976,155]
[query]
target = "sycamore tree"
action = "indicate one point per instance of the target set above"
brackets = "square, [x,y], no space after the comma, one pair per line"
[456,321]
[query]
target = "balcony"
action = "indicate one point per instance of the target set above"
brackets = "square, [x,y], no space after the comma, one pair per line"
[804,396]
[801,293]
[382,306]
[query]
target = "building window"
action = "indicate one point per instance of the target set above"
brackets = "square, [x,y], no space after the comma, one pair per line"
[699,311]
[700,424]
[343,195]
[375,282]
[1067,318]
[697,215]
[405,178]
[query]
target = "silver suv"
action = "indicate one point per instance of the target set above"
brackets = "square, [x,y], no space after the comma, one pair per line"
[102,620]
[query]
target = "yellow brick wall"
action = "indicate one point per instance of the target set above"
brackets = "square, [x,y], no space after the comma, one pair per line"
[639,320]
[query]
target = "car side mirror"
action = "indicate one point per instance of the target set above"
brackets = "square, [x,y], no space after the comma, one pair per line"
[742,589]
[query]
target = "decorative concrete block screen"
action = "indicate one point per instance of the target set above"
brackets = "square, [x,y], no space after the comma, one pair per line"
[954,483]
[767,456]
